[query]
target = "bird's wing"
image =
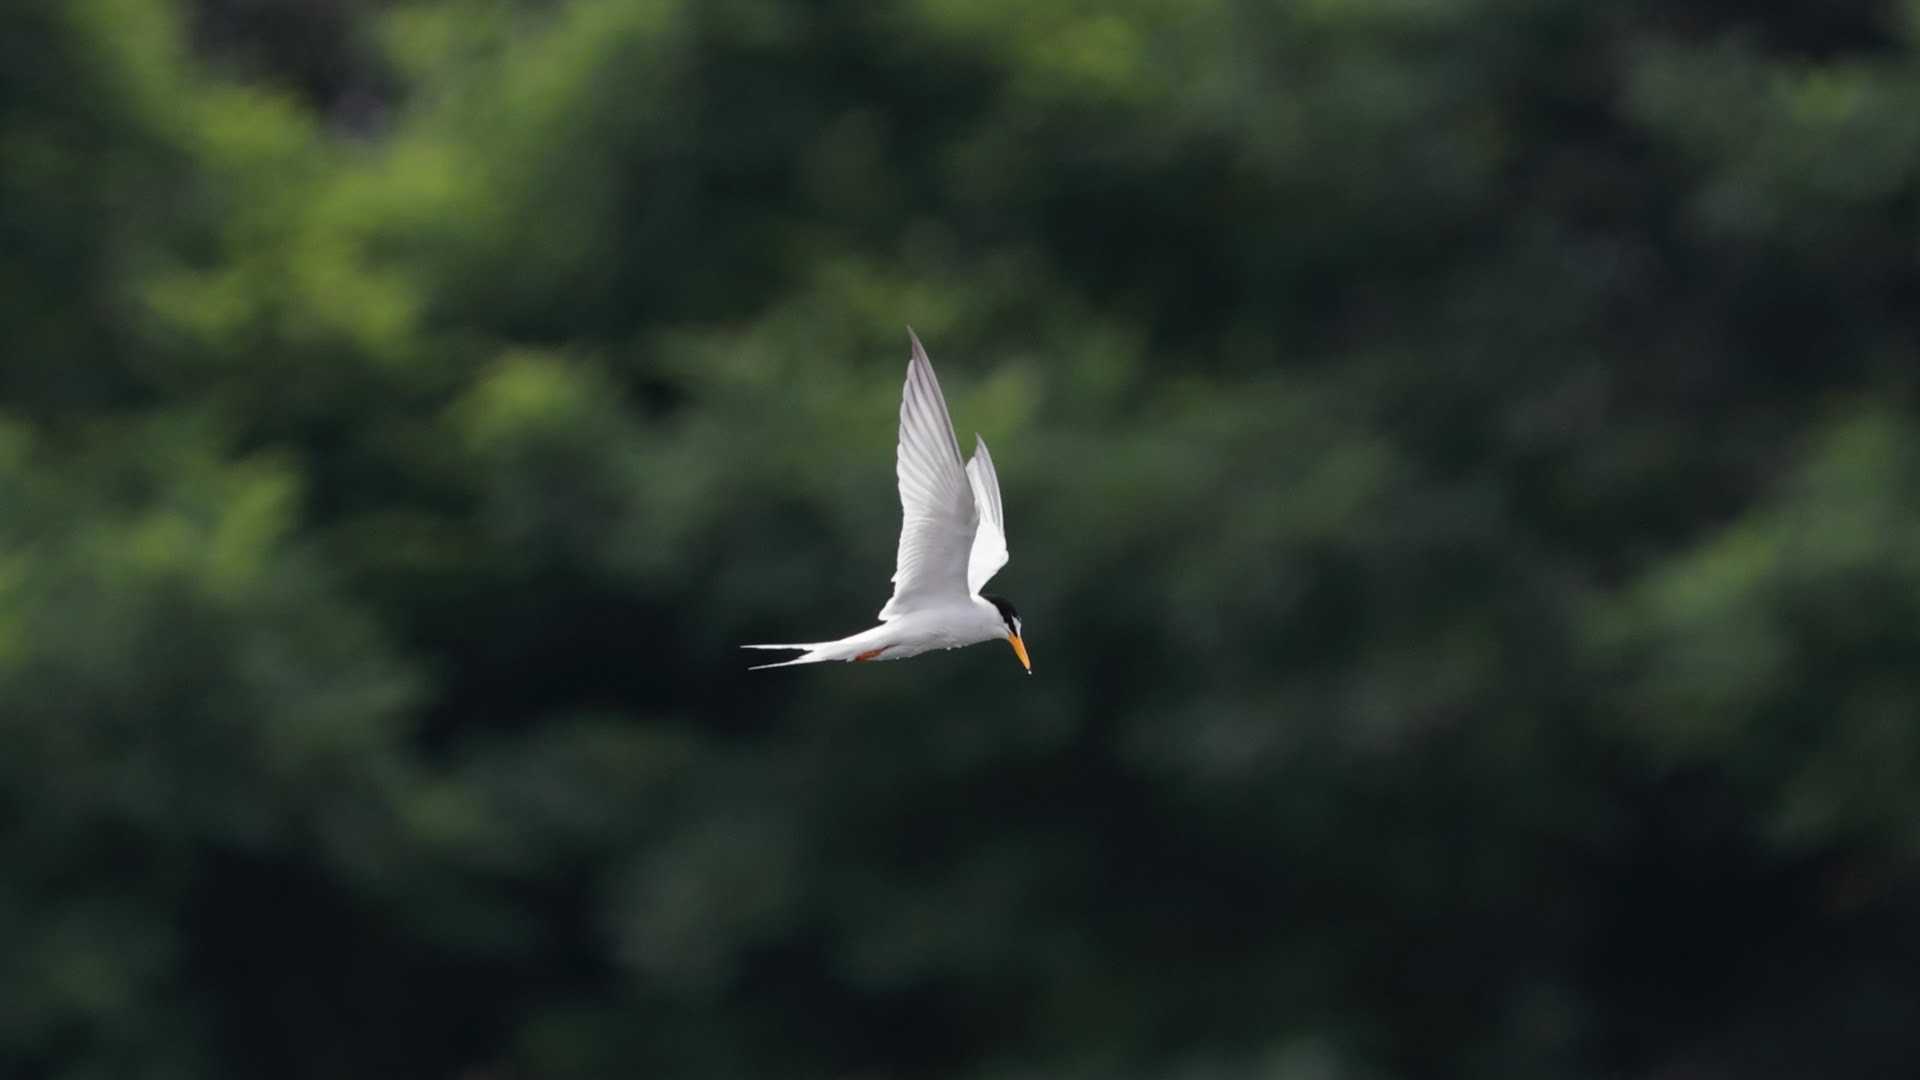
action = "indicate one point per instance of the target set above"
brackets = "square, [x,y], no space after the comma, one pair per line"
[938,518]
[989,552]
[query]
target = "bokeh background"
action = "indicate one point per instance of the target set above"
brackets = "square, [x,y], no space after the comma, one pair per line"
[1463,478]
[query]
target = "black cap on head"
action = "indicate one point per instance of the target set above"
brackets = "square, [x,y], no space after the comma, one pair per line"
[1007,614]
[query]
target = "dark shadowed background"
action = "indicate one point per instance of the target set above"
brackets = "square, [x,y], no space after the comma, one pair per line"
[1462,472]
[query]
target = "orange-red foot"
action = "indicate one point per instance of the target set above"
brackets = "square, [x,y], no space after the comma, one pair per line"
[871,653]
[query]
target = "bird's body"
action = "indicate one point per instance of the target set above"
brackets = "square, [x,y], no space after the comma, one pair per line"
[907,635]
[952,539]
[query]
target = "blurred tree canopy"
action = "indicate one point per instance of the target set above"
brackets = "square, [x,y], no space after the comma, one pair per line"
[1464,492]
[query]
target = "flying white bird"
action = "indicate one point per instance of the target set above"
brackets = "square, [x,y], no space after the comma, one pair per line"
[953,537]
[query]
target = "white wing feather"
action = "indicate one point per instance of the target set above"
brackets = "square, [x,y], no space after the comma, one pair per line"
[938,516]
[989,552]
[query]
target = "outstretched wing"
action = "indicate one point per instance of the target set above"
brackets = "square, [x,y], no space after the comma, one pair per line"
[989,551]
[938,517]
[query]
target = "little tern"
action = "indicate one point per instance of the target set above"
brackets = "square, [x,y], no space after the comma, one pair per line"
[953,538]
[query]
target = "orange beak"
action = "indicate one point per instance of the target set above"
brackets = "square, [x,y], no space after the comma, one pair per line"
[1020,650]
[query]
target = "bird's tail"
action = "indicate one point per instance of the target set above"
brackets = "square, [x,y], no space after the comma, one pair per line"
[812,651]
[866,645]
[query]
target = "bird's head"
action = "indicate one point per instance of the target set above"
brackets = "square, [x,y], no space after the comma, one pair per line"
[1012,619]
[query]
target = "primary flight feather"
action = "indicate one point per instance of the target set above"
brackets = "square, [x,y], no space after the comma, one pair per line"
[953,538]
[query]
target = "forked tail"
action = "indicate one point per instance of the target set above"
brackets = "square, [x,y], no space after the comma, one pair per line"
[813,655]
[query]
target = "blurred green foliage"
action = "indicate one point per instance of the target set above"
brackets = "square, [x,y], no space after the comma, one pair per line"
[1464,492]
